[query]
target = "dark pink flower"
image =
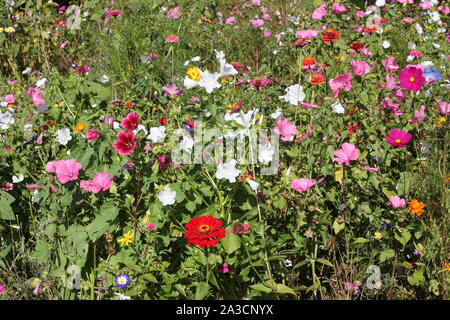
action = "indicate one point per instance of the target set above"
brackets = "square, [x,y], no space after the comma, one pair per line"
[411,78]
[398,138]
[223,268]
[130,122]
[92,135]
[261,83]
[125,143]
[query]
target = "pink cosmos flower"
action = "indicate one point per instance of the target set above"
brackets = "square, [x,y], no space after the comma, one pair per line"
[35,96]
[114,13]
[391,106]
[39,139]
[302,185]
[230,20]
[391,82]
[352,288]
[173,13]
[444,107]
[396,202]
[390,64]
[319,13]
[337,8]
[10,98]
[419,115]
[371,169]
[101,182]
[341,82]
[172,38]
[267,34]
[360,14]
[66,170]
[399,95]
[33,186]
[36,289]
[306,34]
[286,130]
[408,20]
[308,105]
[92,135]
[130,122]
[416,53]
[411,78]
[257,22]
[425,5]
[398,138]
[151,227]
[347,153]
[360,68]
[125,143]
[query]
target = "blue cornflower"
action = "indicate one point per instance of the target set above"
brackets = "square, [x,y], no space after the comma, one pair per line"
[431,73]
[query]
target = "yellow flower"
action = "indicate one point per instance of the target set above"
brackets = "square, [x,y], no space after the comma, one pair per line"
[223,81]
[126,239]
[194,73]
[378,236]
[340,58]
[56,105]
[1,30]
[80,127]
[10,29]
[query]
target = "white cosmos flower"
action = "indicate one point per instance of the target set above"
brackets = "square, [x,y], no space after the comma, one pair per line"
[228,171]
[386,44]
[6,119]
[41,83]
[266,152]
[63,136]
[209,81]
[167,196]
[294,94]
[337,107]
[157,134]
[16,179]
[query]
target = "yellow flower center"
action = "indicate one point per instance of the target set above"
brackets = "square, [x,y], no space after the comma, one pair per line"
[398,140]
[412,79]
[194,73]
[204,228]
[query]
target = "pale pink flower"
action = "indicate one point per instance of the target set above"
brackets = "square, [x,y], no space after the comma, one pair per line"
[35,96]
[9,98]
[419,115]
[341,82]
[337,8]
[286,130]
[444,107]
[302,185]
[360,68]
[230,20]
[66,170]
[257,22]
[360,14]
[371,169]
[319,13]
[347,153]
[425,5]
[306,34]
[101,182]
[396,202]
[391,82]
[390,64]
[173,13]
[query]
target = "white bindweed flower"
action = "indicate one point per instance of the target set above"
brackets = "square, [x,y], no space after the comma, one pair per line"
[337,107]
[277,114]
[253,184]
[167,196]
[16,179]
[187,143]
[380,3]
[228,171]
[386,44]
[41,83]
[6,119]
[157,134]
[209,81]
[104,79]
[122,296]
[63,136]
[294,94]
[116,125]
[27,71]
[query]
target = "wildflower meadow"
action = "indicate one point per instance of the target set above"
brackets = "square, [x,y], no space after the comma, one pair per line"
[224,150]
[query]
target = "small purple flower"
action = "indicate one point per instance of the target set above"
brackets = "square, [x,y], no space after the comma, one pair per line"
[171,90]
[122,281]
[417,252]
[353,288]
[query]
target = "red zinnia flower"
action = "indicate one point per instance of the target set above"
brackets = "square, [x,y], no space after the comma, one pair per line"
[317,79]
[125,143]
[204,231]
[130,122]
[330,35]
[356,46]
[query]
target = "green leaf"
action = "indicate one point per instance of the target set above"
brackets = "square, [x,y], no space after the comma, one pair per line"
[202,291]
[231,242]
[338,226]
[361,240]
[325,262]
[387,254]
[403,237]
[6,212]
[261,287]
[42,251]
[281,288]
[149,277]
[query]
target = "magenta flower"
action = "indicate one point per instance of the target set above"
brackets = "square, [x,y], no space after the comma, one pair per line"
[66,170]
[2,289]
[114,13]
[444,107]
[347,153]
[411,78]
[286,130]
[125,143]
[341,82]
[230,20]
[172,38]
[419,115]
[173,13]
[33,186]
[302,185]
[352,288]
[396,202]
[223,268]
[151,227]
[360,68]
[398,138]
[130,122]
[257,23]
[261,83]
[390,64]
[92,135]
[35,96]
[308,105]
[101,182]
[391,106]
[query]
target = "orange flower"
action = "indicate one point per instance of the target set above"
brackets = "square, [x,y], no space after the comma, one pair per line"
[317,79]
[416,207]
[446,266]
[330,35]
[80,127]
[51,122]
[371,28]
[308,61]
